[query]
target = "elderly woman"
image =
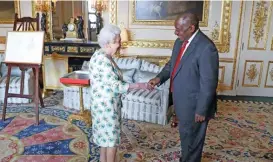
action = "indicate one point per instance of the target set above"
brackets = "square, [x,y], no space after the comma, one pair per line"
[106,87]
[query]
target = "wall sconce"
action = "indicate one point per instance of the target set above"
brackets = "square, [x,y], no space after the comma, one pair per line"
[45,6]
[99,5]
[124,35]
[42,6]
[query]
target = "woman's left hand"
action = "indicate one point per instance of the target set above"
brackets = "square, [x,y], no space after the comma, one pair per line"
[140,86]
[144,86]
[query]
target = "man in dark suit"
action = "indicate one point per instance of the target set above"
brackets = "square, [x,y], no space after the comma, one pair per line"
[193,70]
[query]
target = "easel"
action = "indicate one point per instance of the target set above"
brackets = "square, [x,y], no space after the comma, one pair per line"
[14,59]
[37,92]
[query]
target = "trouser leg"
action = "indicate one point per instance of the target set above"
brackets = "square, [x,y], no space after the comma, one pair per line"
[192,136]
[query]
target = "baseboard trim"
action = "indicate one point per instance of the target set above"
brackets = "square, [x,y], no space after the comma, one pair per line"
[247,99]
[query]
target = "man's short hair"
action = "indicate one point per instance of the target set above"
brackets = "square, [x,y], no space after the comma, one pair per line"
[194,20]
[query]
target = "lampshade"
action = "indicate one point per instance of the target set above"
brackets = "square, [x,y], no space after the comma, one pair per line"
[124,35]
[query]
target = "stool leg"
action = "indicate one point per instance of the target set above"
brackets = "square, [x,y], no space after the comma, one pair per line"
[81,101]
[6,94]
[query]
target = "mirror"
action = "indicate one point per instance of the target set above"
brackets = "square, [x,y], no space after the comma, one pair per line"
[64,13]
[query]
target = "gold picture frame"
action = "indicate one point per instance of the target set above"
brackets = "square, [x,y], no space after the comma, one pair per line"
[267,75]
[16,10]
[133,9]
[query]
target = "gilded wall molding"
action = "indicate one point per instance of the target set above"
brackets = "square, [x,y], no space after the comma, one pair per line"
[223,45]
[214,35]
[237,49]
[149,44]
[113,11]
[2,40]
[203,23]
[259,20]
[44,7]
[33,4]
[227,60]
[269,74]
[158,60]
[252,73]
[222,78]
[272,44]
[259,24]
[17,10]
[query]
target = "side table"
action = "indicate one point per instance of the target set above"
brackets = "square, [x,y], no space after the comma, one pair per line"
[78,79]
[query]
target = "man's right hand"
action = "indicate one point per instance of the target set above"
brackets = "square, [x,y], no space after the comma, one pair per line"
[153,82]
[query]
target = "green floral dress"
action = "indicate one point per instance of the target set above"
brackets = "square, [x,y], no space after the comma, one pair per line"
[106,88]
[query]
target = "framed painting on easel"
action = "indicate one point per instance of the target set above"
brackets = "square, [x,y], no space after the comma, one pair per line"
[24,47]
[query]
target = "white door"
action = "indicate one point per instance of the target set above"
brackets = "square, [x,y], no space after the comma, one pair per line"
[255,75]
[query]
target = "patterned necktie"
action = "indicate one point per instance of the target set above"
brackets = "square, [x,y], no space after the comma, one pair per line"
[178,58]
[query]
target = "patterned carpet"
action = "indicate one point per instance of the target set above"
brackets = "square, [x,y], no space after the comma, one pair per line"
[242,132]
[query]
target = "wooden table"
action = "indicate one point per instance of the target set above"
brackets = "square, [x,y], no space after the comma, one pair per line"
[78,79]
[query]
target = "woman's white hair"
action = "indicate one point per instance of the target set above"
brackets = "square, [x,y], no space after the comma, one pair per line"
[108,34]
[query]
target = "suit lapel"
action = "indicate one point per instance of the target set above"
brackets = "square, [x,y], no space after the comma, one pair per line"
[187,53]
[176,52]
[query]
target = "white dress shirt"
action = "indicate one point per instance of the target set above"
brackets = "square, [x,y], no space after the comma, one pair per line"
[189,41]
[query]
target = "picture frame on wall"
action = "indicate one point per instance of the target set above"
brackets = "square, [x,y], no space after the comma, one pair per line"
[165,12]
[8,10]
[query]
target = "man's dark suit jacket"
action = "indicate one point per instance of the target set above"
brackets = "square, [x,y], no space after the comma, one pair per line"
[196,78]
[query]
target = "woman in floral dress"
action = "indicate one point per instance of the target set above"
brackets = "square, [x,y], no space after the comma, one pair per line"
[106,89]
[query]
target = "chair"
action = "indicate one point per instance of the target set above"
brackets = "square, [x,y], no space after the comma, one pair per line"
[17,76]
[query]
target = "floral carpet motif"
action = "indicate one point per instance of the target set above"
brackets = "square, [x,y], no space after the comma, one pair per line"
[242,132]
[53,140]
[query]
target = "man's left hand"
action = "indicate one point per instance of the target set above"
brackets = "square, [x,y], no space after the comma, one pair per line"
[199,118]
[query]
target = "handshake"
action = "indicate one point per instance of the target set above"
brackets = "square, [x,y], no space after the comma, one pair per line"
[149,86]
